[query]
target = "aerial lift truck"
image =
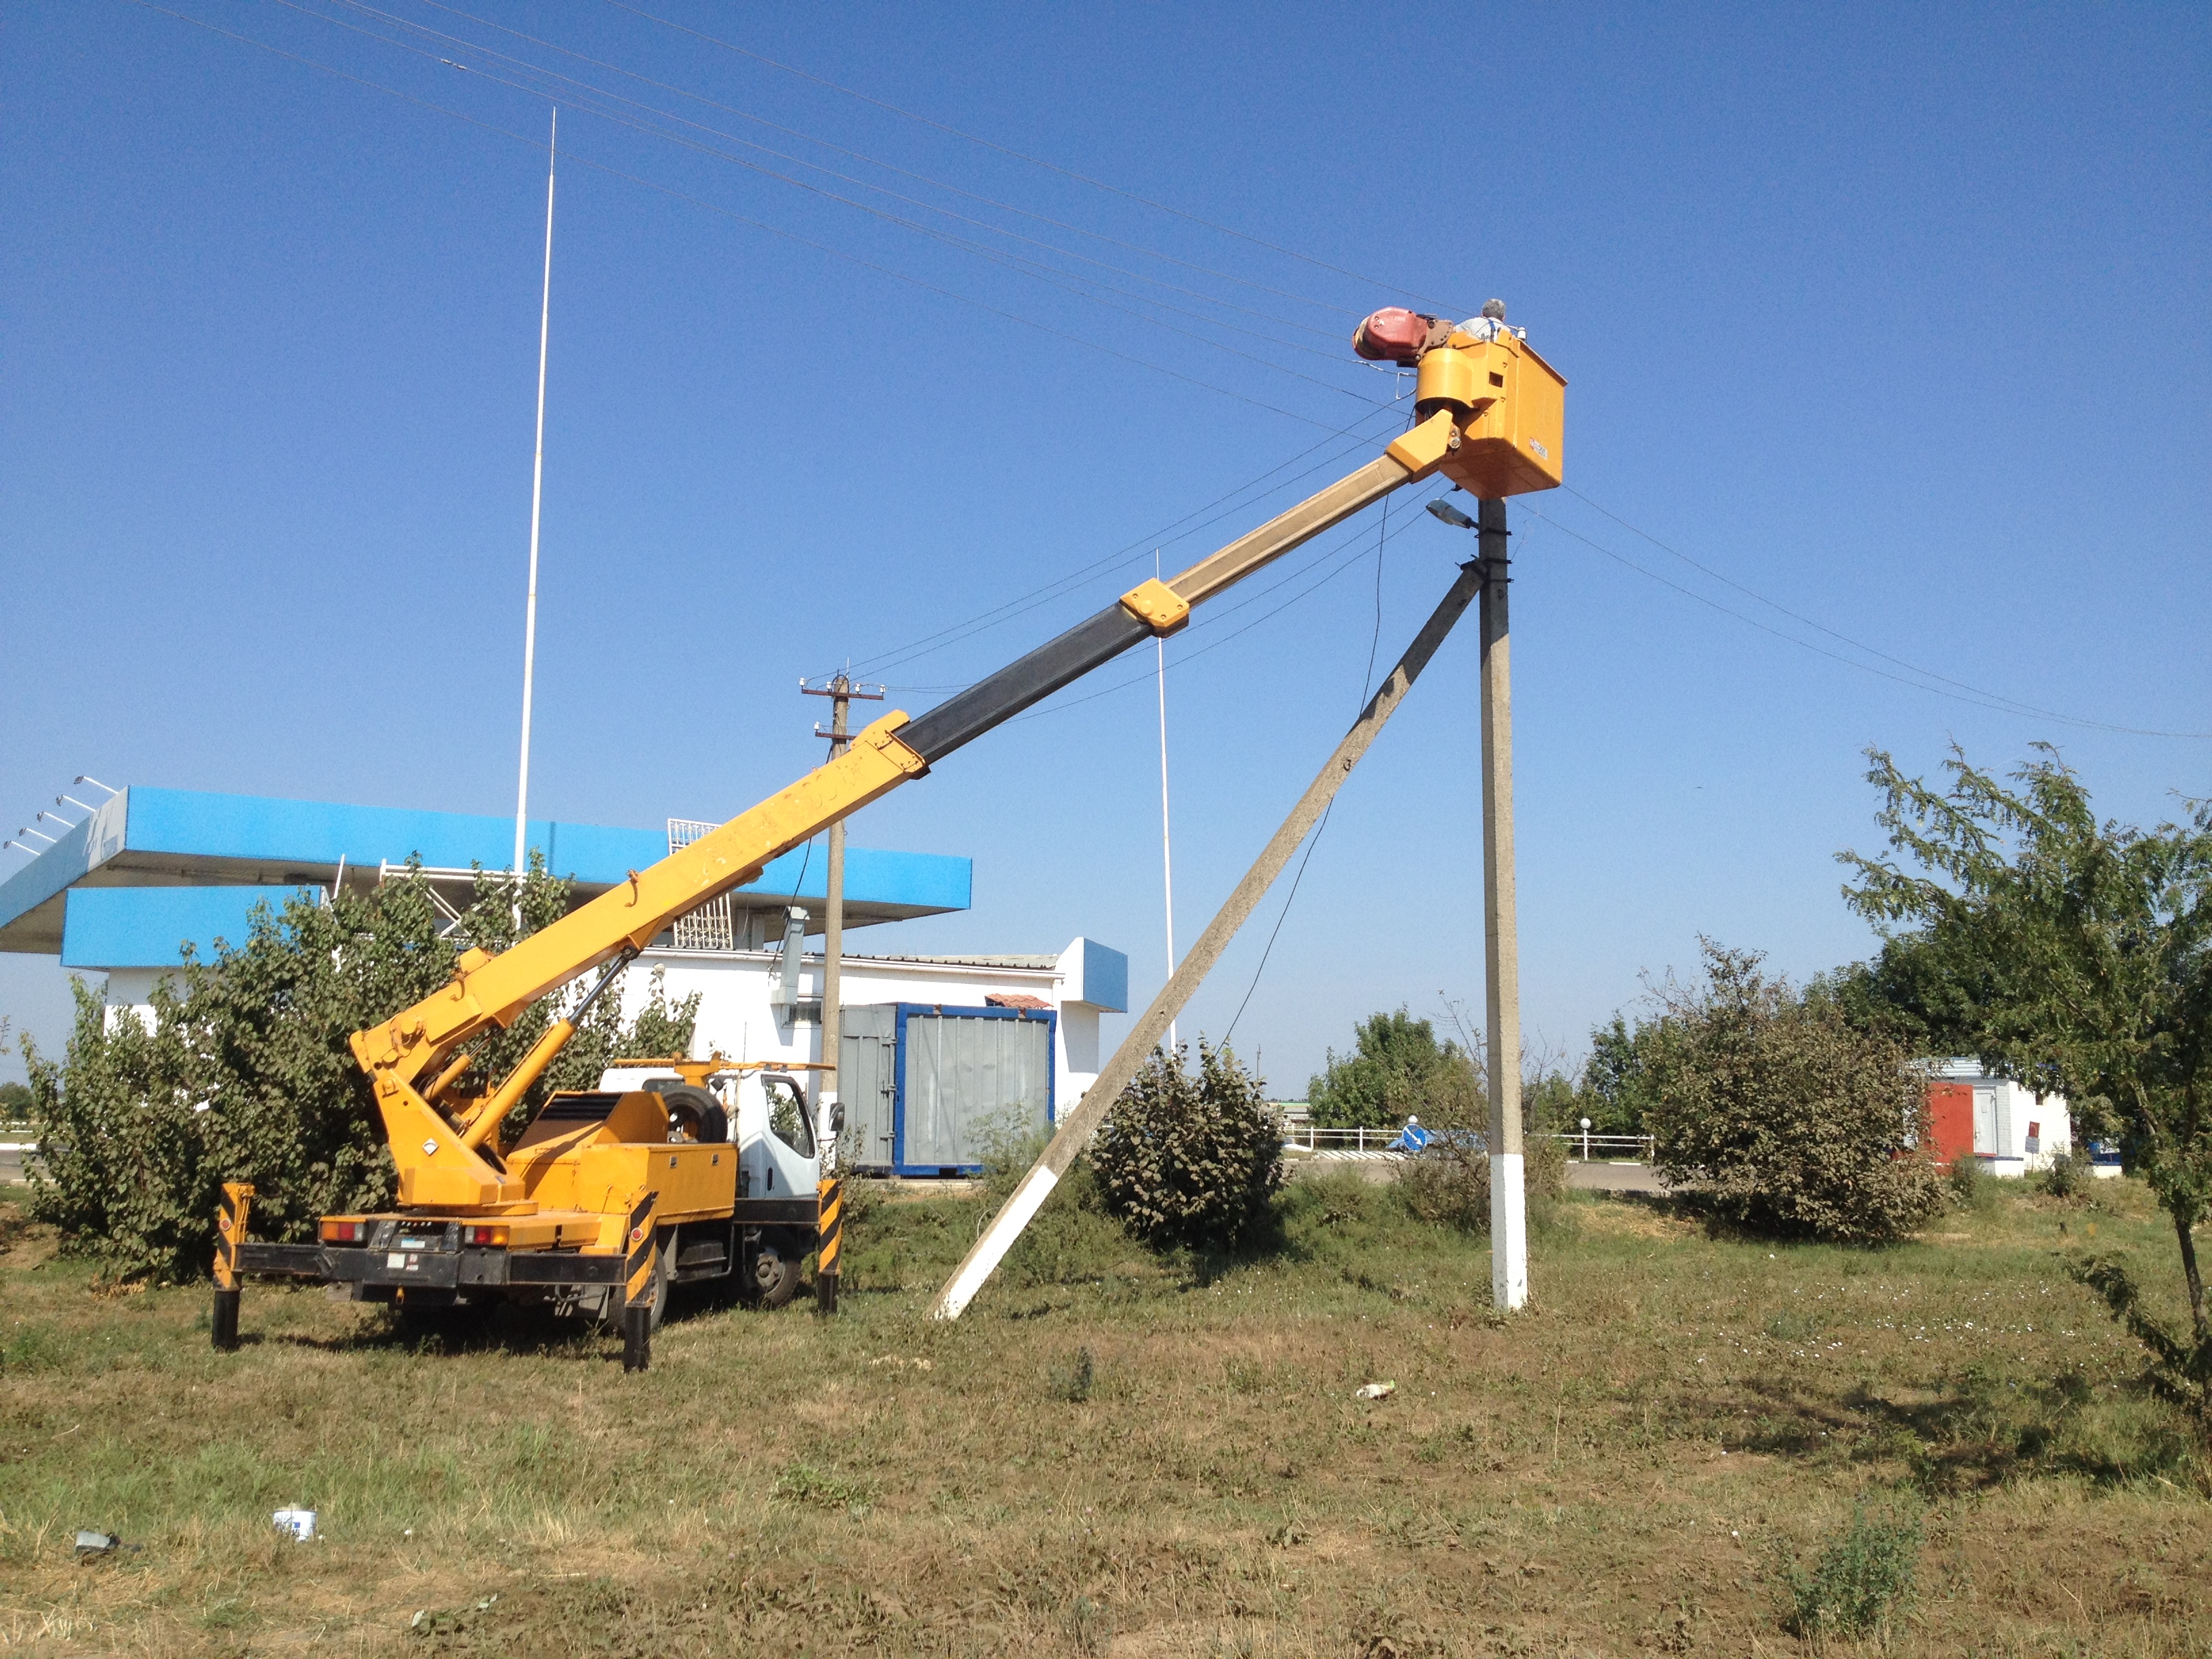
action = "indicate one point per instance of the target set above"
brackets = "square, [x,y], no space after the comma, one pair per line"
[606,1197]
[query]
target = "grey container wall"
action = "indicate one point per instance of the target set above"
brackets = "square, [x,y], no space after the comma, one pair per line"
[926,1087]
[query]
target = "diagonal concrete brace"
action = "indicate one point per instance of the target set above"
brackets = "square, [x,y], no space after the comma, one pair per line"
[1075,1130]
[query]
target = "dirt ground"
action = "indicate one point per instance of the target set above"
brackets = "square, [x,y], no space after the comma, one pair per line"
[1118,1455]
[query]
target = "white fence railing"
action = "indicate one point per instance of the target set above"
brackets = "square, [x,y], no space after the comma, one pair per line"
[1582,1148]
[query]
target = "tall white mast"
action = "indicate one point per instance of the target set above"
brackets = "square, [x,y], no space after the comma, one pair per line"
[536,503]
[1167,854]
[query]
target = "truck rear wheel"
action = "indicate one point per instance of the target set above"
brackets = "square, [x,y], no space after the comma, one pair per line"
[770,1268]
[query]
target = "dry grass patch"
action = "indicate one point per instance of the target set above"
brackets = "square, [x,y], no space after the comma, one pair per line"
[1628,1468]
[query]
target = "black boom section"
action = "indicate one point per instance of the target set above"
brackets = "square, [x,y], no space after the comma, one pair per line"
[962,719]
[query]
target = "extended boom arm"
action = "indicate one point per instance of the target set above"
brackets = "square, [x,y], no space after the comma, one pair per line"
[1470,429]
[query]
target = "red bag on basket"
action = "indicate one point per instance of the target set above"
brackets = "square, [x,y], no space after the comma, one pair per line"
[1393,335]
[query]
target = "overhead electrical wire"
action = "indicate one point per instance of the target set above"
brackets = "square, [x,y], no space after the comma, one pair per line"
[1182,529]
[1995,701]
[1366,680]
[715,207]
[1912,675]
[1064,280]
[861,155]
[1033,161]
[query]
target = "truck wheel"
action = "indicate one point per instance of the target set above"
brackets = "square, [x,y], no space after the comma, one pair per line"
[656,1293]
[772,1271]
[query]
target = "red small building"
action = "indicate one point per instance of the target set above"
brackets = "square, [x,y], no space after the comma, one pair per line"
[1950,1122]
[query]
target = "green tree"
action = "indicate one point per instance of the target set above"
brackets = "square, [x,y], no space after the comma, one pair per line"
[14,1099]
[242,1072]
[2075,955]
[1774,1111]
[1191,1159]
[1398,1068]
[1616,1089]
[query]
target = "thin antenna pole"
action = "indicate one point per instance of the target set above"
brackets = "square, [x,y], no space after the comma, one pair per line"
[537,504]
[1167,853]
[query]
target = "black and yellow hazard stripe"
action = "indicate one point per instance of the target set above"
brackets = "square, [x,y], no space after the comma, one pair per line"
[637,1278]
[831,1221]
[230,1218]
[230,1214]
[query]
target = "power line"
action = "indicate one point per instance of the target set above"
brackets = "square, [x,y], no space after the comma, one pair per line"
[731,214]
[1366,678]
[860,155]
[1064,280]
[1033,161]
[955,632]
[1995,701]
[544,73]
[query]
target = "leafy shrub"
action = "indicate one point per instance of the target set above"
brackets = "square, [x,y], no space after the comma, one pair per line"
[1190,1160]
[2069,1176]
[1448,1180]
[1776,1112]
[243,1072]
[1858,1578]
[1973,1187]
[1074,1384]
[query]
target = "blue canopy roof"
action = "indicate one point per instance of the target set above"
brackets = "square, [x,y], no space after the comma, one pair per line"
[146,838]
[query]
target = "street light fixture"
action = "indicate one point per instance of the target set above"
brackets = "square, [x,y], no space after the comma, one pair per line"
[1443,509]
[86,777]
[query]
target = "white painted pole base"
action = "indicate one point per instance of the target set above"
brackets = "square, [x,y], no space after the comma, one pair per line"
[997,1238]
[1509,1232]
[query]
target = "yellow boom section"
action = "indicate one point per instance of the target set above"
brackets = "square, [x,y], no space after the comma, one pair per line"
[436,1167]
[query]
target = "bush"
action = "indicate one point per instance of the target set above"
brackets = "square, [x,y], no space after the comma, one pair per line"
[1191,1160]
[2069,1176]
[1775,1113]
[1448,1180]
[1858,1578]
[243,1073]
[1972,1186]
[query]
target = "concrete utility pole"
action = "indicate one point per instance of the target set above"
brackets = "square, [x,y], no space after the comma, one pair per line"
[842,692]
[1508,1207]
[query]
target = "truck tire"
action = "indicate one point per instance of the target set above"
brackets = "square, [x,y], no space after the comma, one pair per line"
[695,1113]
[655,1302]
[771,1268]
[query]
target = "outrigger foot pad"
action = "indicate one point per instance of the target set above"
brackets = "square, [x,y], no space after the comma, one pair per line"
[224,1328]
[637,1337]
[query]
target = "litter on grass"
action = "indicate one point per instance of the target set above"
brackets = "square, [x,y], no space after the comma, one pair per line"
[90,1544]
[299,1523]
[1376,1390]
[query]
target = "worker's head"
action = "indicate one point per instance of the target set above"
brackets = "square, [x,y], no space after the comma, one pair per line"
[1494,309]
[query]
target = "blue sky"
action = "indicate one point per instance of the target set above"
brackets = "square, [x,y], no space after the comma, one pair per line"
[1895,319]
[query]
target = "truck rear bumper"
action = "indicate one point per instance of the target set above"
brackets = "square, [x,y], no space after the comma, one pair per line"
[337,1264]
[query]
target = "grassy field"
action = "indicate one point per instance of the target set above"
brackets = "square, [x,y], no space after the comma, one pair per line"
[1117,1455]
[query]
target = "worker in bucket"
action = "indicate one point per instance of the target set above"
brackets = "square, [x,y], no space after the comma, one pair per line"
[1491,326]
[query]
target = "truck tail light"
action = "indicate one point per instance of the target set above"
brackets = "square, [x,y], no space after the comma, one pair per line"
[496,1236]
[344,1232]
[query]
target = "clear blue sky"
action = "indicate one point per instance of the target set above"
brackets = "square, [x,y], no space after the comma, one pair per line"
[1895,319]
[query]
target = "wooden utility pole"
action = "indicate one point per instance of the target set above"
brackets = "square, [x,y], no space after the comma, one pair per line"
[1508,1209]
[842,692]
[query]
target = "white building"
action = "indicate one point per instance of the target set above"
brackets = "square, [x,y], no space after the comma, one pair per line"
[2015,1130]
